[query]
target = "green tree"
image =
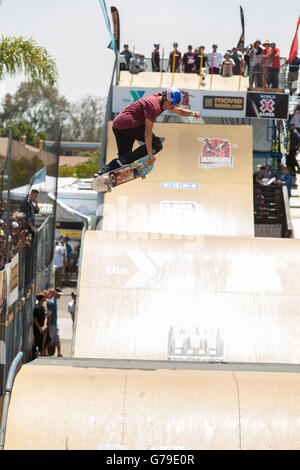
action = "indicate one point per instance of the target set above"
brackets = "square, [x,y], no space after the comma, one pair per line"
[82,170]
[86,120]
[23,169]
[19,54]
[21,128]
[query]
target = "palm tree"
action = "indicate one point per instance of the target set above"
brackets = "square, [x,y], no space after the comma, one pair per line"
[18,54]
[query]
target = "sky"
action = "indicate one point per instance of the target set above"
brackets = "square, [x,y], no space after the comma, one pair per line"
[75,34]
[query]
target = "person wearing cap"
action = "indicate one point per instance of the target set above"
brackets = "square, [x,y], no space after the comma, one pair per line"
[127,55]
[274,69]
[215,60]
[155,58]
[227,65]
[175,58]
[256,56]
[137,63]
[188,61]
[135,123]
[30,207]
[266,63]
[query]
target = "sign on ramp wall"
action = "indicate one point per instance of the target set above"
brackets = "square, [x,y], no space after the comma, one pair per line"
[201,184]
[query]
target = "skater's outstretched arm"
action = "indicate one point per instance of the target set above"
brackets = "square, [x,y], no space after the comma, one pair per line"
[185,112]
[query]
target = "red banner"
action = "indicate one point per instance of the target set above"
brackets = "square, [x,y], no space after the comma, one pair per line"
[294,47]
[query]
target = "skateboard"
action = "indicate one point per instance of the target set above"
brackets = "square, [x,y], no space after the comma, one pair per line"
[138,169]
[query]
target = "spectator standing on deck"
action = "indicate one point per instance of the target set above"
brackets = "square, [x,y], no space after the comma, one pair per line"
[53,330]
[295,118]
[188,61]
[175,59]
[266,63]
[127,54]
[256,71]
[292,162]
[215,60]
[236,56]
[199,53]
[155,59]
[227,65]
[273,71]
[30,207]
[293,75]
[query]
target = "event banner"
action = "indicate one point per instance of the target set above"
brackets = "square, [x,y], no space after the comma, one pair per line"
[209,103]
[267,105]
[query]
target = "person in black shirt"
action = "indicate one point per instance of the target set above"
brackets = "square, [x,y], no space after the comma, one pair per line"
[39,325]
[155,59]
[293,75]
[127,54]
[198,53]
[292,162]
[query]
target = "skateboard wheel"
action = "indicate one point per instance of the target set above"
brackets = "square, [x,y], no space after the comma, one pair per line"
[143,177]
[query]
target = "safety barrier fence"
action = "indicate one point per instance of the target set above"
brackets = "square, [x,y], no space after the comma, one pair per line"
[29,272]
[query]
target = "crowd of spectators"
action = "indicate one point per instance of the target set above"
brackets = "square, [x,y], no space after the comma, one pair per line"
[62,261]
[264,175]
[45,327]
[260,61]
[17,231]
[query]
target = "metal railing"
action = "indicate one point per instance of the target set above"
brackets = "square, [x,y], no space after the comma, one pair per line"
[13,370]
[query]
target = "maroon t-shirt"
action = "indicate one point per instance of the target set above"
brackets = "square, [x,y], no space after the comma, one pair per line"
[136,113]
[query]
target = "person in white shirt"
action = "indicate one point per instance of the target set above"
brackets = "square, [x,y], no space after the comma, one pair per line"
[227,65]
[59,262]
[215,60]
[72,306]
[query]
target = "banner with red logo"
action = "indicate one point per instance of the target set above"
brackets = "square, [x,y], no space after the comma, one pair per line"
[267,105]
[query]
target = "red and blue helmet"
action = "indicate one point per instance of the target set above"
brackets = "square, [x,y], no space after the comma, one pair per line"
[173,95]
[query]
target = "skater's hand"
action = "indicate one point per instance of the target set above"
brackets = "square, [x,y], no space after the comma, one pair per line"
[196,114]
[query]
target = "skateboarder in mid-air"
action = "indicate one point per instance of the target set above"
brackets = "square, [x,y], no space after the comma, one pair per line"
[136,122]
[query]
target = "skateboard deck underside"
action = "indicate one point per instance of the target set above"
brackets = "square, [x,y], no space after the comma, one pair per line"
[139,169]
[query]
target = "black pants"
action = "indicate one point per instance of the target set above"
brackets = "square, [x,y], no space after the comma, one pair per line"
[125,139]
[292,162]
[273,75]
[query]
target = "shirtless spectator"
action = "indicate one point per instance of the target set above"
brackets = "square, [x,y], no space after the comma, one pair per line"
[188,61]
[227,66]
[175,59]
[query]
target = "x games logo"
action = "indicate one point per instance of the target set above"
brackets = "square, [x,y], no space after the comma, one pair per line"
[267,106]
